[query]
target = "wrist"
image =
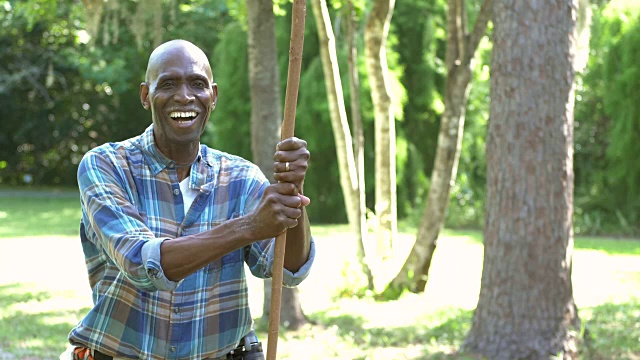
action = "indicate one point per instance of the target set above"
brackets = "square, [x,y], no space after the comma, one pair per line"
[244,227]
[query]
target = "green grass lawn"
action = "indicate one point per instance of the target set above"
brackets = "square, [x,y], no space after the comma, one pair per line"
[44,292]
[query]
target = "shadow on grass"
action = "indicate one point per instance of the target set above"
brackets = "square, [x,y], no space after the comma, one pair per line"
[445,332]
[613,331]
[27,334]
[11,294]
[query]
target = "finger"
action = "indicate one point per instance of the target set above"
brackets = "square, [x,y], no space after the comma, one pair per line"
[286,188]
[292,213]
[293,202]
[304,201]
[284,155]
[287,223]
[301,155]
[292,143]
[284,166]
[290,177]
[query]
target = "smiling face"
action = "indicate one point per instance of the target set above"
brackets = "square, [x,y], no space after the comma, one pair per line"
[180,92]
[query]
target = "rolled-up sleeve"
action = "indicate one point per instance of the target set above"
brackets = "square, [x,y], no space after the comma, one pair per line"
[151,261]
[262,256]
[290,279]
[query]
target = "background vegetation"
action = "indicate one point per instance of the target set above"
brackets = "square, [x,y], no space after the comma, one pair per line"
[69,83]
[63,91]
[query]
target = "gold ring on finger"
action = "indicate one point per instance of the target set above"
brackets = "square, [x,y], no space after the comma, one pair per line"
[286,166]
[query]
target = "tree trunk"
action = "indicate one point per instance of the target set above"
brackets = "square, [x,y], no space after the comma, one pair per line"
[266,121]
[291,315]
[339,123]
[461,49]
[375,37]
[358,137]
[526,307]
[583,31]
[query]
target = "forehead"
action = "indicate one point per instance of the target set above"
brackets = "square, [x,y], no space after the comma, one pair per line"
[179,61]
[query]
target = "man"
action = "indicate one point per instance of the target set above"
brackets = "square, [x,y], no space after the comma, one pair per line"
[168,224]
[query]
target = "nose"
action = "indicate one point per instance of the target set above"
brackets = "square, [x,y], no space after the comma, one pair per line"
[183,94]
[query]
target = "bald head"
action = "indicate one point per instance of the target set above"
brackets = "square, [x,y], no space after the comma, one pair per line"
[165,51]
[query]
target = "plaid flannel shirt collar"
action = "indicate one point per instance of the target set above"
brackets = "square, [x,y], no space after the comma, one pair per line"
[157,160]
[204,163]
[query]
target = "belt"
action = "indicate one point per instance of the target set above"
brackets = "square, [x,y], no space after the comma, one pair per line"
[97,355]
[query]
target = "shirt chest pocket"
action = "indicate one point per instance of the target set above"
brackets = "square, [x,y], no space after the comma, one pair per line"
[229,259]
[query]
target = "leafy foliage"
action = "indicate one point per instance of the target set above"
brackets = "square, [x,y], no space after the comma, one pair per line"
[67,85]
[607,125]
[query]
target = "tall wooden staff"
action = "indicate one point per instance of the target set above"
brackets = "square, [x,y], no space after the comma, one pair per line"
[288,125]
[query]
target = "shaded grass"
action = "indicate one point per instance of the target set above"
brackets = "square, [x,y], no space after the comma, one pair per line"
[34,324]
[613,331]
[446,327]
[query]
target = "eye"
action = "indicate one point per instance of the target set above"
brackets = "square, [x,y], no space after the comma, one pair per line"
[200,84]
[167,84]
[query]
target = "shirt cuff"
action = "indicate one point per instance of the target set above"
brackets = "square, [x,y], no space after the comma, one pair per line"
[153,267]
[290,279]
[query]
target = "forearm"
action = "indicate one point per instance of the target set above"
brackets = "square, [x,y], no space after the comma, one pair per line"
[180,257]
[298,244]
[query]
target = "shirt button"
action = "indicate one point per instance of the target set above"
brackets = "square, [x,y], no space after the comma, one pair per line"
[172,349]
[171,165]
[176,192]
[176,310]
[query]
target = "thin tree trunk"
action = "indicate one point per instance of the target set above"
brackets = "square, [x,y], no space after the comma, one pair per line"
[338,113]
[526,308]
[266,121]
[358,138]
[461,49]
[583,31]
[375,37]
[337,110]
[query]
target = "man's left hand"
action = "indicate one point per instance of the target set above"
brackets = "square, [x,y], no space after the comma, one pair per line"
[291,163]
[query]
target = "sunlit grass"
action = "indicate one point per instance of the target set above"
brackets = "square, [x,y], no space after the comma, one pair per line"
[55,214]
[44,292]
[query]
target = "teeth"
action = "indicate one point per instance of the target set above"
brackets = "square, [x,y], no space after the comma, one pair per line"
[181,114]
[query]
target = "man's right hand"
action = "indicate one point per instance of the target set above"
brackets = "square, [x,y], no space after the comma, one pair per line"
[278,210]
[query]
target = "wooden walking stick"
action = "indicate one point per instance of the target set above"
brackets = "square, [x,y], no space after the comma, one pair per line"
[288,125]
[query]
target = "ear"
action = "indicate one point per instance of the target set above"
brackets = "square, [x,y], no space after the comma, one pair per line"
[214,87]
[144,95]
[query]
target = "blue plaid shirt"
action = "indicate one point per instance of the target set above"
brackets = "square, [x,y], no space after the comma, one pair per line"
[131,202]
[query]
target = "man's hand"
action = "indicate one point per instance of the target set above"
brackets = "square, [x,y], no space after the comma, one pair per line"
[291,162]
[282,204]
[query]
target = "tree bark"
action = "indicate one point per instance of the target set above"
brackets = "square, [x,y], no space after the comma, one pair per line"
[375,37]
[526,308]
[339,122]
[266,122]
[461,49]
[358,138]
